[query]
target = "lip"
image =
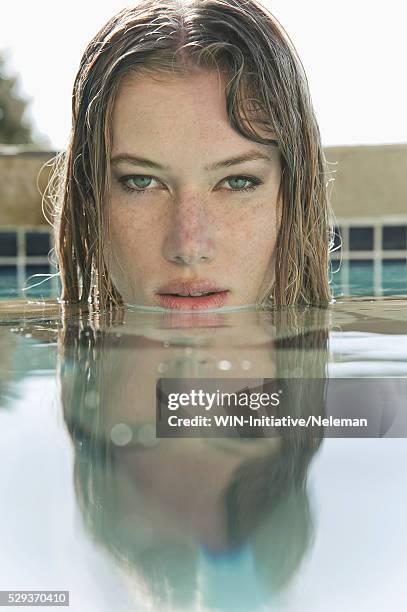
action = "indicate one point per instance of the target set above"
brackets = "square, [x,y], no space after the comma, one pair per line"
[169,295]
[214,300]
[190,287]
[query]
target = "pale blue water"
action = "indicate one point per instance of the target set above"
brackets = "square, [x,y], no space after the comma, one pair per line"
[358,278]
[94,503]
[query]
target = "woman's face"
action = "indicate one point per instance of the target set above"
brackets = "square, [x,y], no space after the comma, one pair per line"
[182,219]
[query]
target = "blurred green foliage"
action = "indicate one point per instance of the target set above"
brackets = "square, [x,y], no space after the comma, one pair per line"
[14,127]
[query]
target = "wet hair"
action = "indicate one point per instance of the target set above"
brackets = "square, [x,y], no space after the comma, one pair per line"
[265,86]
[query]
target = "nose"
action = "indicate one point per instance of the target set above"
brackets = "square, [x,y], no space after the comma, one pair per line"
[189,240]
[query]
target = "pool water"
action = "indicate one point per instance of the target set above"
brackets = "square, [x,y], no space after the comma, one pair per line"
[95,503]
[368,277]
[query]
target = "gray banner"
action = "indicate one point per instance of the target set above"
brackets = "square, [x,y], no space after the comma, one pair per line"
[34,598]
[258,408]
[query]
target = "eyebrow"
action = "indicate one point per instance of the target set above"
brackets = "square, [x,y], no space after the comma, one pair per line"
[233,161]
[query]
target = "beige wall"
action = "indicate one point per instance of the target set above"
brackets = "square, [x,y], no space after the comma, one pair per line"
[20,200]
[369,181]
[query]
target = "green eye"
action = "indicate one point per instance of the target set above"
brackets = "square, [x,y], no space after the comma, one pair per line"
[136,182]
[255,182]
[238,182]
[144,180]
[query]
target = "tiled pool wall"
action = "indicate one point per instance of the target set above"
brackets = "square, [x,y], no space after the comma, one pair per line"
[370,257]
[26,251]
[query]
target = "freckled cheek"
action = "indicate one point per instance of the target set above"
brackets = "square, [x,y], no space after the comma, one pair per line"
[252,236]
[132,235]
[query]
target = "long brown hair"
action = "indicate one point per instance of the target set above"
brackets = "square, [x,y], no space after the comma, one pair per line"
[266,83]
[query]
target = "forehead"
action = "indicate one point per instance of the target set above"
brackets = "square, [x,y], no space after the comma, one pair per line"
[191,107]
[161,96]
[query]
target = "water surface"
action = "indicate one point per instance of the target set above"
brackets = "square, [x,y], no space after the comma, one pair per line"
[94,503]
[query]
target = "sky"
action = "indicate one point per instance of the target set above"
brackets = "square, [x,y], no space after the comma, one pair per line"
[353,51]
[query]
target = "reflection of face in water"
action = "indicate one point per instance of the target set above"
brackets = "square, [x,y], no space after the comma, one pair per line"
[175,511]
